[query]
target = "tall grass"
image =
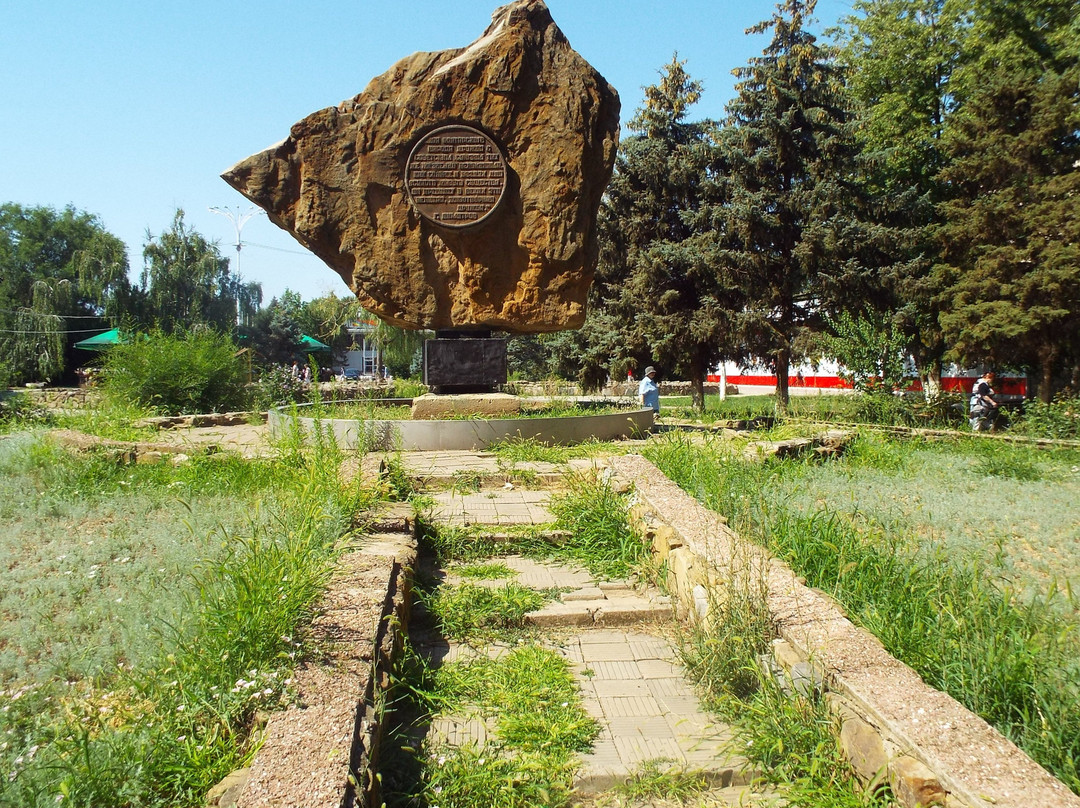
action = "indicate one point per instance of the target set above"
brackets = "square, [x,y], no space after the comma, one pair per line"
[161,728]
[1013,659]
[600,535]
[531,703]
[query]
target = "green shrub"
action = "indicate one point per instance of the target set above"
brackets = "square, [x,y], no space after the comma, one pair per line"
[277,386]
[15,407]
[1059,419]
[177,373]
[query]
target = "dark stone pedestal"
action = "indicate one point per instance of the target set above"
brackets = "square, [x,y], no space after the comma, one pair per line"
[464,362]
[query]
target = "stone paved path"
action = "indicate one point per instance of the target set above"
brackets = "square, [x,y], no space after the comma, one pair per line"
[616,637]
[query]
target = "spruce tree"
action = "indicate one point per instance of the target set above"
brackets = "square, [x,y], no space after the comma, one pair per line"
[1011,232]
[661,293]
[788,157]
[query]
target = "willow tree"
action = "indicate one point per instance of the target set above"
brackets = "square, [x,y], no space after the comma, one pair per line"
[63,276]
[186,281]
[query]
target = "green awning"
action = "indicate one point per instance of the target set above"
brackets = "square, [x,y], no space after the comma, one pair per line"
[310,344]
[101,341]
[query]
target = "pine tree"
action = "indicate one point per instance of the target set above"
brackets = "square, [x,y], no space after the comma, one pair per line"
[661,293]
[1011,236]
[788,155]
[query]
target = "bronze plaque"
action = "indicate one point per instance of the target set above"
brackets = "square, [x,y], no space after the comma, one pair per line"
[455,176]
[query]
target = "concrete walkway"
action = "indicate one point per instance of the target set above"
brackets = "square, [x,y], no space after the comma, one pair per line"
[615,634]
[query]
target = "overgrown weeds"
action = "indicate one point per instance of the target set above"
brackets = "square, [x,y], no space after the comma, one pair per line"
[601,538]
[791,735]
[214,633]
[467,611]
[1005,651]
[537,724]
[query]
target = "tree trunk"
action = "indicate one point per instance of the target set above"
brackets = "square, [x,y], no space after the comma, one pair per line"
[1048,359]
[1046,383]
[697,385]
[931,380]
[783,366]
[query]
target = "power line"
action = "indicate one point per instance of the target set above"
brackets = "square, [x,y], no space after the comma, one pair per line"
[278,249]
[61,316]
[73,331]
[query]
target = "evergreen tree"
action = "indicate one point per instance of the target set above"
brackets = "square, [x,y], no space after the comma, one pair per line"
[901,55]
[789,155]
[1011,235]
[661,294]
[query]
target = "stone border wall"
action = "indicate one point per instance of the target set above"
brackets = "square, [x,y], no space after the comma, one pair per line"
[932,750]
[468,433]
[324,751]
[59,397]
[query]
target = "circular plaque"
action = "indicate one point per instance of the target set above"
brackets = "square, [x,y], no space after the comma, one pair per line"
[455,176]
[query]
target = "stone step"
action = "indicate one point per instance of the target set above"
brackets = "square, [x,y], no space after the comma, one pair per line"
[606,612]
[727,777]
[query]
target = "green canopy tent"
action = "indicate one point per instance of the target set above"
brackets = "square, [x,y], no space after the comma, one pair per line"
[311,345]
[100,342]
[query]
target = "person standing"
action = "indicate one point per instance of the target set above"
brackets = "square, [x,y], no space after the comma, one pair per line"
[649,391]
[983,406]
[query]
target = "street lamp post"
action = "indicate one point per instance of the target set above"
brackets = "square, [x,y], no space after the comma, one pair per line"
[239,219]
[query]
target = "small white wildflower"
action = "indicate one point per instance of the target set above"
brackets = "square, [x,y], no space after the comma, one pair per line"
[181,738]
[180,708]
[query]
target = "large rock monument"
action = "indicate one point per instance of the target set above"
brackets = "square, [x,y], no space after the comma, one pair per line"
[459,191]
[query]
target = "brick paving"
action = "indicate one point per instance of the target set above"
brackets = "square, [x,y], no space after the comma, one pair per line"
[613,635]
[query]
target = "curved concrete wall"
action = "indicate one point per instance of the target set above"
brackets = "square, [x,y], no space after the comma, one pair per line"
[473,433]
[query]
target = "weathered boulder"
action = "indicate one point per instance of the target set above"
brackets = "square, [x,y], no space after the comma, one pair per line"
[520,259]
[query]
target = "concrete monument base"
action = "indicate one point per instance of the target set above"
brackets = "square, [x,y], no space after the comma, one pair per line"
[431,406]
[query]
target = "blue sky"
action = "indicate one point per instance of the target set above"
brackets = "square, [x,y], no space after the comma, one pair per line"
[131,109]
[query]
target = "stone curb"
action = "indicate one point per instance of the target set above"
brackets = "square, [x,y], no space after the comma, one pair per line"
[932,750]
[324,751]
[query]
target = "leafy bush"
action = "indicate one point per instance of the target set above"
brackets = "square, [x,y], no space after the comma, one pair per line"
[277,387]
[177,373]
[1058,419]
[14,407]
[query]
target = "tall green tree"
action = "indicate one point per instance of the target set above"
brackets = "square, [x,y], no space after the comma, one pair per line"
[789,153]
[62,276]
[661,291]
[1011,232]
[901,56]
[187,282]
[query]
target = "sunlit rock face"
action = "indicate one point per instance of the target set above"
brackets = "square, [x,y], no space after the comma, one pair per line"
[489,224]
